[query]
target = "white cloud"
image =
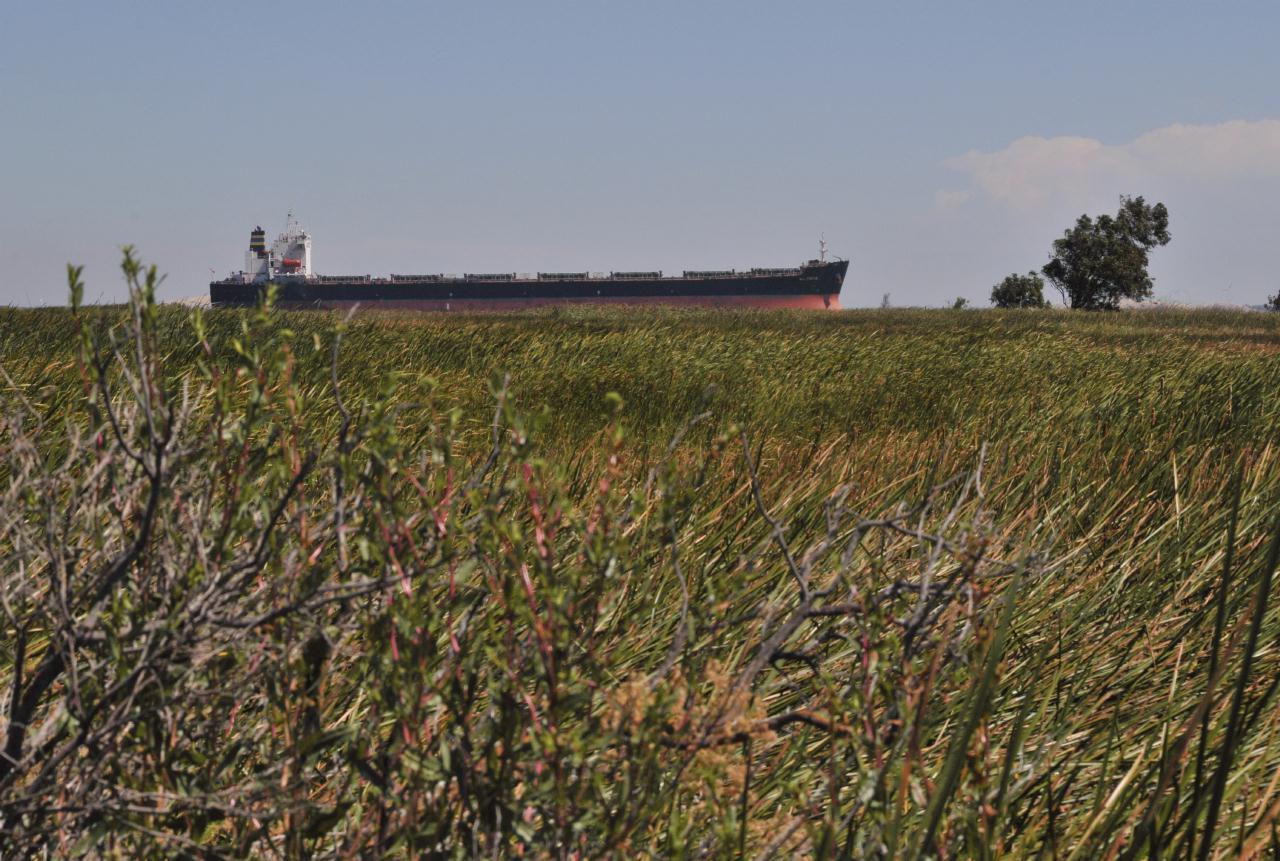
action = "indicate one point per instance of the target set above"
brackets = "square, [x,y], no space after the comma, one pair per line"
[1033,171]
[1233,149]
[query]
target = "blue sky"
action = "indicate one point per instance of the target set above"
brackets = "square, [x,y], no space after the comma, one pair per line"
[939,146]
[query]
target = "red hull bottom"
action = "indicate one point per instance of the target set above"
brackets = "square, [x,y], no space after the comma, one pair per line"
[486,305]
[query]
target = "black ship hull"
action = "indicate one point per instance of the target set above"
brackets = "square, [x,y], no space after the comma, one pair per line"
[816,285]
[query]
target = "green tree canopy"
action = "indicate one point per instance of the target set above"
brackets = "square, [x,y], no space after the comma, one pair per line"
[1019,291]
[1099,262]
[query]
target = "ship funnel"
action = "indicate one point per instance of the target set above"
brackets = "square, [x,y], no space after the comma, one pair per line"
[258,240]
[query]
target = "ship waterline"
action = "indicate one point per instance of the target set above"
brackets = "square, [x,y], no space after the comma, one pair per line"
[813,303]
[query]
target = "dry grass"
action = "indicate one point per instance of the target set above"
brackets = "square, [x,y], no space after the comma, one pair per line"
[1114,452]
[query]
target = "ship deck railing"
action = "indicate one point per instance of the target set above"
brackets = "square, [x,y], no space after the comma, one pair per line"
[506,277]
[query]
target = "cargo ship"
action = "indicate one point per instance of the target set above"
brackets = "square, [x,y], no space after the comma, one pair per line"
[286,263]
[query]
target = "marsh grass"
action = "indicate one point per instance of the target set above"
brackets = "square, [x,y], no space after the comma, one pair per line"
[1054,635]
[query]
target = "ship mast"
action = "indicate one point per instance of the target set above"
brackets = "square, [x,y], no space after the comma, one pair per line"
[822,248]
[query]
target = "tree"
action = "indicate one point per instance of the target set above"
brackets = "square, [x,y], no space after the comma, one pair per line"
[1097,263]
[1273,302]
[1019,291]
[960,304]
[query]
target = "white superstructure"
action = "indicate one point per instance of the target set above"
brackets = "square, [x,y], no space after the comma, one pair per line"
[290,254]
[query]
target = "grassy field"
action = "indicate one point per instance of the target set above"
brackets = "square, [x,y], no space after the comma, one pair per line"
[706,584]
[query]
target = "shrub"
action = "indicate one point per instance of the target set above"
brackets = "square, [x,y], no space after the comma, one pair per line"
[1019,291]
